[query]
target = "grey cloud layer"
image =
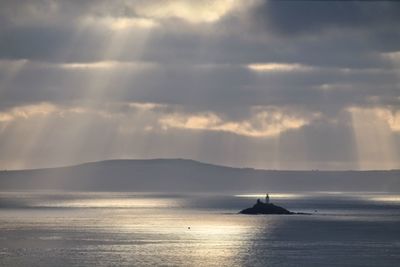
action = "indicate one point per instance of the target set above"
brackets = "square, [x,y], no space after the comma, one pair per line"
[298,17]
[217,88]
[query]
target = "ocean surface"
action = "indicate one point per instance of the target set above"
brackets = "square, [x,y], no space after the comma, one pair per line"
[137,229]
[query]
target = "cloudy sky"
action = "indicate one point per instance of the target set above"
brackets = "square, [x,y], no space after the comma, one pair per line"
[266,84]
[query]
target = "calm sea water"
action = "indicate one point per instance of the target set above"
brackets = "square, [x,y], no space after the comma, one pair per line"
[131,229]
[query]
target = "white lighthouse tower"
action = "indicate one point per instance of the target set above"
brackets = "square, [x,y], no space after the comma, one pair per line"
[267,199]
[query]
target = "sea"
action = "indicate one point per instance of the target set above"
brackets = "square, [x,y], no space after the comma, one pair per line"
[54,228]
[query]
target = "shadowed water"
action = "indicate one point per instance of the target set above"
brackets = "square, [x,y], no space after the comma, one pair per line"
[130,229]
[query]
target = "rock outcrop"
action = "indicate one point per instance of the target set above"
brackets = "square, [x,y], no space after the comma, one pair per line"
[265,208]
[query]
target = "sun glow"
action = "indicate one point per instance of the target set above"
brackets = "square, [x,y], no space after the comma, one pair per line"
[203,11]
[128,23]
[277,67]
[120,23]
[105,65]
[272,195]
[262,124]
[28,111]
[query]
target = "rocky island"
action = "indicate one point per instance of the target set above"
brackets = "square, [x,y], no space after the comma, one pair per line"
[266,208]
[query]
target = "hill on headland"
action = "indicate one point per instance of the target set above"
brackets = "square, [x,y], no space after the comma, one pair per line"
[180,175]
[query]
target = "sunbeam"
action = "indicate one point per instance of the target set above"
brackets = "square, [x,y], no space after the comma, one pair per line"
[374,139]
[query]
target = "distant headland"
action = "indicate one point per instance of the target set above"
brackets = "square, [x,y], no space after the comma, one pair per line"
[181,175]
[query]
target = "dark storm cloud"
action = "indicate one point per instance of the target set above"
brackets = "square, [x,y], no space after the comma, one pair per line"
[314,17]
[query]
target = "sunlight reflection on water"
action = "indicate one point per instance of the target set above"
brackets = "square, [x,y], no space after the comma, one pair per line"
[385,198]
[126,229]
[113,203]
[273,195]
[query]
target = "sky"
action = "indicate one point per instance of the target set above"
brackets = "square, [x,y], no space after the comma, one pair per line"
[255,83]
